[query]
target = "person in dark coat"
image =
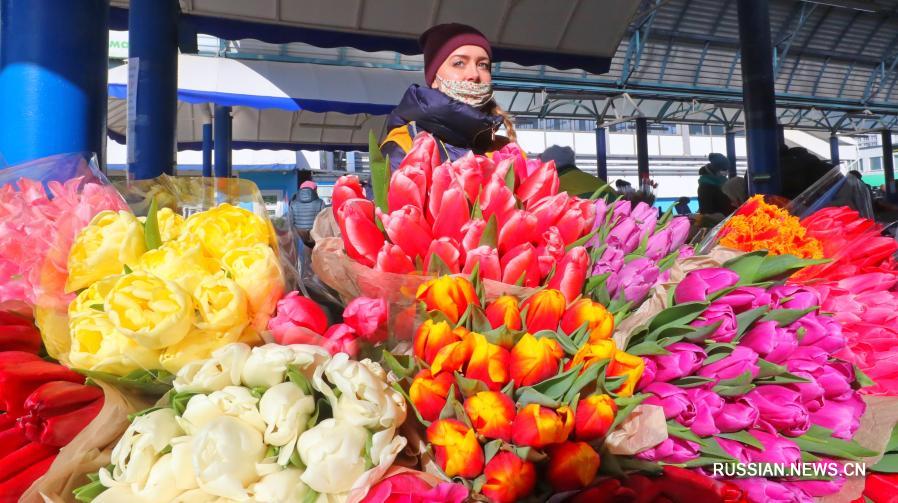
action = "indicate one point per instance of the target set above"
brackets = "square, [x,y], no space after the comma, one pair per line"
[682,206]
[457,105]
[573,180]
[711,199]
[304,207]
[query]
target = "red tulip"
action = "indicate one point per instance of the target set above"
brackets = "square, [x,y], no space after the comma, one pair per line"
[361,236]
[295,313]
[534,360]
[441,181]
[572,465]
[549,209]
[429,394]
[346,187]
[18,333]
[520,262]
[424,154]
[456,448]
[407,186]
[575,222]
[391,258]
[472,232]
[497,199]
[468,172]
[449,252]
[452,215]
[491,414]
[58,410]
[407,228]
[21,373]
[541,183]
[570,275]
[551,251]
[519,229]
[511,156]
[488,258]
[488,362]
[508,478]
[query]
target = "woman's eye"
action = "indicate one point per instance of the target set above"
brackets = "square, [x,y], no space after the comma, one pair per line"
[485,66]
[458,64]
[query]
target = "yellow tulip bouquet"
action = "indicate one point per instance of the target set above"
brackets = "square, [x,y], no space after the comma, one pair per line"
[161,291]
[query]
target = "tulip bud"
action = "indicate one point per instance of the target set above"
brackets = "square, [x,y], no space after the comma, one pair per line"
[595,414]
[504,311]
[407,228]
[456,448]
[521,263]
[572,465]
[508,478]
[408,186]
[450,295]
[593,353]
[599,322]
[570,275]
[392,259]
[488,362]
[700,283]
[429,394]
[488,258]
[534,360]
[519,229]
[624,363]
[538,426]
[361,236]
[448,250]
[544,310]
[491,413]
[431,337]
[345,188]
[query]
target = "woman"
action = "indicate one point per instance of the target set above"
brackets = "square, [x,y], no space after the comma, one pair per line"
[457,107]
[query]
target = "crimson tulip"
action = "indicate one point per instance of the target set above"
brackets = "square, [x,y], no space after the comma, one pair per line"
[407,228]
[520,262]
[570,275]
[360,234]
[407,186]
[488,258]
[520,228]
[391,258]
[345,188]
[21,373]
[59,410]
[541,183]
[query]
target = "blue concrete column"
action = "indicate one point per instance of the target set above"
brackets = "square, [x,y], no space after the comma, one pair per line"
[759,97]
[834,149]
[601,154]
[731,152]
[222,141]
[642,148]
[207,149]
[53,68]
[888,166]
[153,49]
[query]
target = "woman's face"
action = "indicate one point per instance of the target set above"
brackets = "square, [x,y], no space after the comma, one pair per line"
[467,63]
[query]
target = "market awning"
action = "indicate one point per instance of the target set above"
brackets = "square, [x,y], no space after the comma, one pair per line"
[562,33]
[276,105]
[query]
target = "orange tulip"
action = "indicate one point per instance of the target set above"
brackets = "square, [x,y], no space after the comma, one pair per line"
[504,311]
[538,426]
[626,364]
[599,322]
[595,414]
[572,465]
[534,360]
[544,310]
[450,295]
[429,393]
[488,363]
[491,413]
[431,337]
[593,353]
[456,448]
[508,478]
[453,357]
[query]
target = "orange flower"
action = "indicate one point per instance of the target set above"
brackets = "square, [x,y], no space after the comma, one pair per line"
[595,414]
[491,413]
[626,364]
[592,353]
[762,226]
[453,356]
[431,337]
[504,311]
[598,320]
[488,363]
[572,465]
[450,295]
[456,448]
[429,393]
[544,310]
[534,360]
[538,426]
[508,478]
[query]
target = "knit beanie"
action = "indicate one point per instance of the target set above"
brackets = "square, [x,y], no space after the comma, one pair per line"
[441,40]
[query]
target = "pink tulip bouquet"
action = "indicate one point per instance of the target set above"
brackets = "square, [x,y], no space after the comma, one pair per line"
[747,372]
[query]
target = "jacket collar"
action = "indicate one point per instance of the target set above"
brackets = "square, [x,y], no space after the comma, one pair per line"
[451,121]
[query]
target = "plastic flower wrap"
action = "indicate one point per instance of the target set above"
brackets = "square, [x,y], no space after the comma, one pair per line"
[161,293]
[43,206]
[499,403]
[268,424]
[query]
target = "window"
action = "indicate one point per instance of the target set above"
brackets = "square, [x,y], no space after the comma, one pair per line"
[526,123]
[706,130]
[654,128]
[876,164]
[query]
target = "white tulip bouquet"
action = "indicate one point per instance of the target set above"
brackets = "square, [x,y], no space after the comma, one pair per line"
[268,424]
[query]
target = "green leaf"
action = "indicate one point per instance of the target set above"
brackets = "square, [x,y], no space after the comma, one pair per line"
[151,235]
[691,381]
[566,343]
[437,267]
[773,267]
[127,269]
[746,266]
[743,437]
[529,395]
[892,446]
[582,241]
[448,410]
[768,369]
[681,314]
[625,406]
[469,387]
[490,236]
[311,496]
[647,348]
[784,317]
[736,386]
[784,378]
[863,380]
[509,178]
[477,320]
[490,449]
[599,191]
[98,307]
[555,387]
[179,401]
[819,440]
[747,319]
[397,367]
[888,464]
[89,491]
[477,484]
[588,377]
[380,175]
[677,430]
[701,334]
[156,382]
[296,376]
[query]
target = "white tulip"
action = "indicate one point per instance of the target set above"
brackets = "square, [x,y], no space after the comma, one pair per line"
[235,401]
[366,399]
[334,454]
[385,446]
[117,494]
[286,411]
[267,365]
[283,486]
[140,447]
[197,496]
[225,454]
[222,369]
[160,485]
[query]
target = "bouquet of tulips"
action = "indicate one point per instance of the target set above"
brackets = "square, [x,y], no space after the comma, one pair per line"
[514,385]
[269,424]
[161,293]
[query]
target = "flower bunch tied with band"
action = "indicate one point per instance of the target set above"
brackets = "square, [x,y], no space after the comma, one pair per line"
[517,395]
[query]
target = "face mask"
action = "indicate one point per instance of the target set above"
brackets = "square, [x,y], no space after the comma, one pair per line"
[471,93]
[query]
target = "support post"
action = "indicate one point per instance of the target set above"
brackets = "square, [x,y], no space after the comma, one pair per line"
[759,97]
[601,154]
[222,141]
[207,149]
[153,49]
[731,152]
[834,149]
[888,166]
[642,149]
[53,71]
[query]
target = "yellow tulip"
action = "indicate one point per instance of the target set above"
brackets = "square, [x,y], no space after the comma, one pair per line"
[222,228]
[183,262]
[154,312]
[257,270]
[111,241]
[198,345]
[221,304]
[93,298]
[97,345]
[171,224]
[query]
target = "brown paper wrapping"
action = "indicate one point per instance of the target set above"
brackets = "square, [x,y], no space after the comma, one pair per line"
[643,429]
[88,451]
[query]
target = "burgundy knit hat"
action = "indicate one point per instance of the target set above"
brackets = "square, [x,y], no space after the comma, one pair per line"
[441,40]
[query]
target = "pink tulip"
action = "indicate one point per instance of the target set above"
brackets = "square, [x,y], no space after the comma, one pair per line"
[759,489]
[497,199]
[296,311]
[410,488]
[549,209]
[672,450]
[368,318]
[682,360]
[424,154]
[700,283]
[841,416]
[821,331]
[407,228]
[472,231]
[512,152]
[576,221]
[539,184]
[740,414]
[408,185]
[453,214]
[780,409]
[794,297]
[341,338]
[468,172]
[441,181]
[361,236]
[570,275]
[488,258]
[671,398]
[391,258]
[550,252]
[771,342]
[740,361]
[519,229]
[818,488]
[345,188]
[745,298]
[449,251]
[707,404]
[520,262]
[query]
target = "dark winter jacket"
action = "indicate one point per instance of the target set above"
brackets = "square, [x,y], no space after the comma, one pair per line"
[304,207]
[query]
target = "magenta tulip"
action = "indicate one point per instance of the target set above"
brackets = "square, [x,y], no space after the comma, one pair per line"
[683,359]
[722,315]
[780,409]
[737,415]
[843,417]
[737,363]
[672,450]
[771,342]
[700,283]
